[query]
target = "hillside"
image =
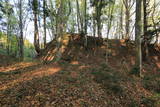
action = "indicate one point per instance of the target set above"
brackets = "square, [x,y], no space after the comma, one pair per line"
[82,77]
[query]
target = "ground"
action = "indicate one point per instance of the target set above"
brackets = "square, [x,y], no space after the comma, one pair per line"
[82,81]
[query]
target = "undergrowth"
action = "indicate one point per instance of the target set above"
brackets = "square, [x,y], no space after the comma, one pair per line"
[109,79]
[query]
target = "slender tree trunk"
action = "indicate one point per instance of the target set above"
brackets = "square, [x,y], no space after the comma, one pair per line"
[36,32]
[85,22]
[8,29]
[8,39]
[145,43]
[21,32]
[138,33]
[44,21]
[78,16]
[121,22]
[110,12]
[60,30]
[94,28]
[85,15]
[127,18]
[98,18]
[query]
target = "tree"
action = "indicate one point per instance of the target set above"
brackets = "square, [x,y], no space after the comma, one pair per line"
[145,28]
[98,4]
[138,34]
[44,21]
[21,42]
[85,15]
[128,4]
[36,32]
[8,15]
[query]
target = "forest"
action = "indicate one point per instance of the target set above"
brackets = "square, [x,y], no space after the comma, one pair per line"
[79,53]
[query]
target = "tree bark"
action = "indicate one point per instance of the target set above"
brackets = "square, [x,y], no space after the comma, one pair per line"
[85,15]
[44,22]
[138,33]
[145,43]
[127,18]
[21,41]
[98,18]
[36,32]
[121,22]
[78,16]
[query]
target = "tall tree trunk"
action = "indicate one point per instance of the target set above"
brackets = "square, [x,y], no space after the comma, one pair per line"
[127,18]
[138,33]
[121,22]
[8,28]
[85,22]
[44,22]
[145,43]
[98,18]
[60,29]
[78,16]
[36,32]
[8,38]
[85,15]
[21,42]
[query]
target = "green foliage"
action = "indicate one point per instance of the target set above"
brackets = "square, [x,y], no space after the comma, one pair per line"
[29,51]
[35,5]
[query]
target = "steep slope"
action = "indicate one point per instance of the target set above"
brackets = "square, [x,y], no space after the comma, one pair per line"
[121,53]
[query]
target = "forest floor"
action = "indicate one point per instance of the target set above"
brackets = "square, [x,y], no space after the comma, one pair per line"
[82,82]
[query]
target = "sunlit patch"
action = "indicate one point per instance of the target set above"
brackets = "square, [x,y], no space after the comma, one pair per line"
[103,47]
[156,58]
[158,64]
[83,67]
[114,53]
[143,70]
[132,60]
[122,40]
[74,62]
[38,73]
[17,66]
